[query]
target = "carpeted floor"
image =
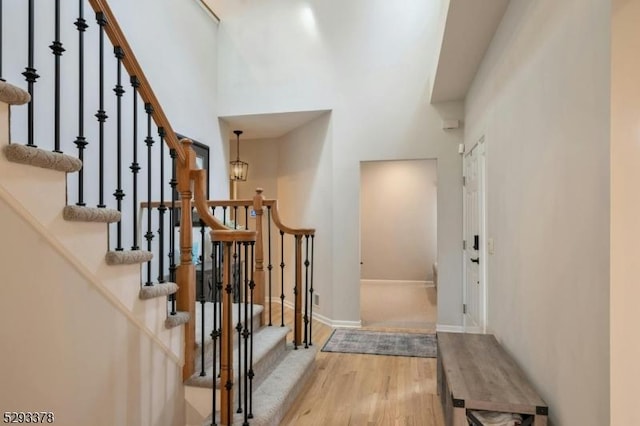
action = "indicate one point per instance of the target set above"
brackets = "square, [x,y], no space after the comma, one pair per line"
[387,305]
[381,343]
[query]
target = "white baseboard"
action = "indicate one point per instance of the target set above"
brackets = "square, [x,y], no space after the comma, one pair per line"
[322,318]
[347,324]
[397,283]
[474,330]
[450,328]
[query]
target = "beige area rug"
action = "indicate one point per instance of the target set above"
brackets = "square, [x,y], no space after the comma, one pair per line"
[389,304]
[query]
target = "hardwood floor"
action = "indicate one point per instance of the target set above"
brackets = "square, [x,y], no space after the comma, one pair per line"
[370,390]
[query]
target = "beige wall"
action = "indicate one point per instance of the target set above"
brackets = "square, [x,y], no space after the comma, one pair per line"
[305,197]
[262,156]
[541,98]
[398,206]
[625,211]
[374,77]
[77,339]
[295,169]
[68,350]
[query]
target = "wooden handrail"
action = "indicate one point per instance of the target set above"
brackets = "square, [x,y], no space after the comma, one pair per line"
[131,64]
[240,203]
[210,203]
[220,232]
[275,215]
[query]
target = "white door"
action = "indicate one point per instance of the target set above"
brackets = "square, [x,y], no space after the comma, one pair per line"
[474,240]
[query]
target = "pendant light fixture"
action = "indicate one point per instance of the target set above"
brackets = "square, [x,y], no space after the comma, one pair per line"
[239,168]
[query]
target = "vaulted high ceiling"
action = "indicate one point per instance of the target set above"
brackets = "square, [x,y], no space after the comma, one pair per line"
[466,34]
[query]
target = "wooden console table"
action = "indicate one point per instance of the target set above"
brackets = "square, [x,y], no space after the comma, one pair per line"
[475,373]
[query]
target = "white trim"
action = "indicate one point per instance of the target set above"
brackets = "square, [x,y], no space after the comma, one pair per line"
[480,145]
[474,330]
[337,324]
[403,283]
[322,318]
[346,324]
[450,328]
[84,271]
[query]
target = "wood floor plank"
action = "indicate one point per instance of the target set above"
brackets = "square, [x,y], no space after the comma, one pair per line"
[368,390]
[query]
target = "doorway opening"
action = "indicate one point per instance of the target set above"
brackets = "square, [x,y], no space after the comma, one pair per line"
[398,244]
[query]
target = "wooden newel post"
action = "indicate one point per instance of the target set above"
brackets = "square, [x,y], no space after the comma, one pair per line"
[298,289]
[259,291]
[186,273]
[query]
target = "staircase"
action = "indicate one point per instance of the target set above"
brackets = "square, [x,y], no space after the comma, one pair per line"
[140,350]
[280,373]
[77,317]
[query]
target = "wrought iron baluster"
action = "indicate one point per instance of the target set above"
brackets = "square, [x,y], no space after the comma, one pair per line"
[101,115]
[237,257]
[311,295]
[172,236]
[252,285]
[235,217]
[220,292]
[226,380]
[162,209]
[149,141]
[296,307]
[282,265]
[270,265]
[119,193]
[135,166]
[245,336]
[215,333]
[306,292]
[81,141]
[202,301]
[30,73]
[57,50]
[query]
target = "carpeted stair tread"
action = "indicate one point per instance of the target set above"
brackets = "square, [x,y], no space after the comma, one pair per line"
[90,214]
[273,398]
[265,341]
[157,290]
[176,320]
[37,157]
[257,311]
[13,95]
[128,257]
[208,327]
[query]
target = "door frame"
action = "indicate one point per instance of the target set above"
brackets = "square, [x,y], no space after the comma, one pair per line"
[481,145]
[435,162]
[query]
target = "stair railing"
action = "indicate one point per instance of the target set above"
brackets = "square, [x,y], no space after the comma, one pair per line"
[249,214]
[114,139]
[235,281]
[132,212]
[241,239]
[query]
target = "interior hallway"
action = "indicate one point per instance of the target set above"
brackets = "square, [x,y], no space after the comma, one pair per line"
[403,306]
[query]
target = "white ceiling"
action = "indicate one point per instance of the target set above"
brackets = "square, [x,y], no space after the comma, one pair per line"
[270,126]
[470,26]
